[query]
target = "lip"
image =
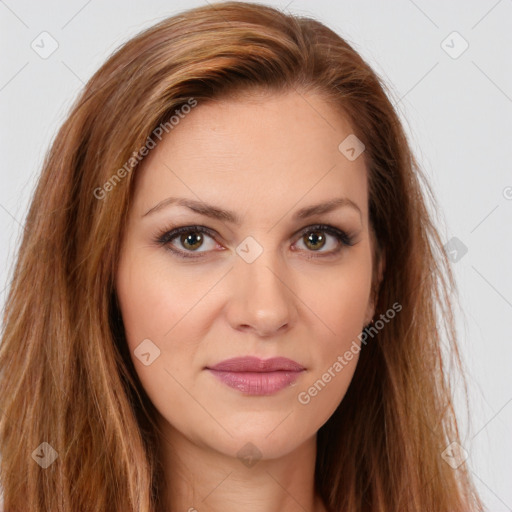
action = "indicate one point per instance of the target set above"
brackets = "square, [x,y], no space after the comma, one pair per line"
[254,376]
[255,364]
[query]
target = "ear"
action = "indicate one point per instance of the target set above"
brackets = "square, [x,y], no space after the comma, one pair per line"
[378,274]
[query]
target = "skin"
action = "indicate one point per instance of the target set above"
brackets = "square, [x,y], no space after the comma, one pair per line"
[263,157]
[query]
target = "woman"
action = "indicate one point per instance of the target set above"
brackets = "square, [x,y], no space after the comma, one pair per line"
[229,288]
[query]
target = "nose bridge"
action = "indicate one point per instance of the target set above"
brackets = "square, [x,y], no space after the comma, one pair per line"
[262,300]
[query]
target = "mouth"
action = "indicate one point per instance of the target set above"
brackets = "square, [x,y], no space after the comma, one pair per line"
[254,376]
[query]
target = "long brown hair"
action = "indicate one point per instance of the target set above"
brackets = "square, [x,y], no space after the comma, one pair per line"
[65,374]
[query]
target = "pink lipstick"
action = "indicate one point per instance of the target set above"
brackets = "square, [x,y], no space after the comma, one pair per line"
[254,376]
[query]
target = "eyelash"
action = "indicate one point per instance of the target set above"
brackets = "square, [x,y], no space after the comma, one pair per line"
[165,237]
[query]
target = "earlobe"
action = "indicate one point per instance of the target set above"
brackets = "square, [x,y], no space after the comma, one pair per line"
[369,314]
[378,275]
[380,271]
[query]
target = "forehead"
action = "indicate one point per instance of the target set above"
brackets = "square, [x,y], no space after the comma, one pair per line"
[261,152]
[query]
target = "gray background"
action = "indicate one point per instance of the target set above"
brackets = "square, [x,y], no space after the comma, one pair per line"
[457,110]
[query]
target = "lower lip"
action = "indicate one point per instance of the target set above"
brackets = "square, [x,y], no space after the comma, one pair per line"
[257,383]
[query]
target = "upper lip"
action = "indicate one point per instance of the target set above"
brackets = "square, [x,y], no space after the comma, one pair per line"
[254,364]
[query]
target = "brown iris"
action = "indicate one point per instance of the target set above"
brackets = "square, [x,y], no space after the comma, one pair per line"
[191,240]
[316,239]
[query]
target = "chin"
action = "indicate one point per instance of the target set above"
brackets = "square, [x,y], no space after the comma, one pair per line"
[259,442]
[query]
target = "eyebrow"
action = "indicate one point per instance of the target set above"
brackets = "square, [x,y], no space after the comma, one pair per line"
[231,217]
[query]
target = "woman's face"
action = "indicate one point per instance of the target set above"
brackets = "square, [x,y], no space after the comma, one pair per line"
[260,281]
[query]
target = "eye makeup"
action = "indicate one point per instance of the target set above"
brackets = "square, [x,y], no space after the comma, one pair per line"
[168,235]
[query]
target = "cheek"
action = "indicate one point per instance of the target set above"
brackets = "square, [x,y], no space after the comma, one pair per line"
[341,306]
[340,299]
[160,311]
[153,300]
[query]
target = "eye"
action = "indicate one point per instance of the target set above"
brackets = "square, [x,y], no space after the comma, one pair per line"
[316,238]
[187,241]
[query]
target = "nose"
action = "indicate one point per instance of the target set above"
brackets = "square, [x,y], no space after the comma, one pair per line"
[262,300]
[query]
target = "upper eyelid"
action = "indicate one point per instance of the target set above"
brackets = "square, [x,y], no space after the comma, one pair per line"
[213,231]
